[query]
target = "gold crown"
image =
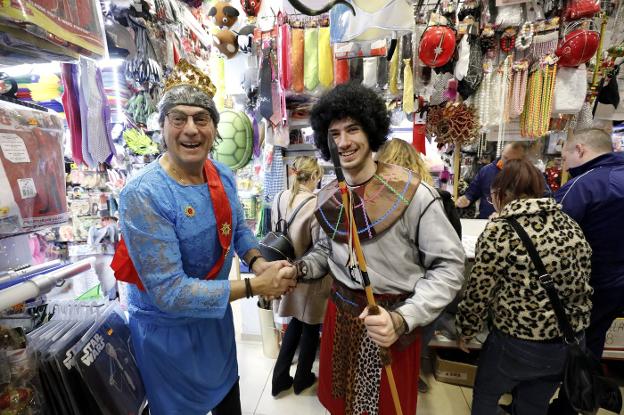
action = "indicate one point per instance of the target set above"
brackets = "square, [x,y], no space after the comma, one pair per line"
[186,74]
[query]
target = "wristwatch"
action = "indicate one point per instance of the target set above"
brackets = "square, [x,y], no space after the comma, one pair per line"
[302,269]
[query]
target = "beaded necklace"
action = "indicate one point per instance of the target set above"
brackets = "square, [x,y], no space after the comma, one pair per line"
[484,100]
[527,104]
[508,40]
[520,77]
[551,73]
[535,109]
[535,119]
[503,85]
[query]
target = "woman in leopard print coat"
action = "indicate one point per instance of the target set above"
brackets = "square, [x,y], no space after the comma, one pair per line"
[524,351]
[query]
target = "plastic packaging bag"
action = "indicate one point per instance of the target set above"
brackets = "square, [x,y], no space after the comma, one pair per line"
[32,169]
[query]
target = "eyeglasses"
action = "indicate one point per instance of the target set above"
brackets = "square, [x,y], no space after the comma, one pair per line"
[179,119]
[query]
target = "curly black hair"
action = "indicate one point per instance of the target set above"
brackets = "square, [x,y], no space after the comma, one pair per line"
[353,101]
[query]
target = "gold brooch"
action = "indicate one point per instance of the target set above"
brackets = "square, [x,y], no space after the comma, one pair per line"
[189,211]
[225,229]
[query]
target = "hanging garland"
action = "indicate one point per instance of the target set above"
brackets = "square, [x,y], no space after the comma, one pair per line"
[453,123]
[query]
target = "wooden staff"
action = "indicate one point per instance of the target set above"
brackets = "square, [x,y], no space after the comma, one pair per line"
[373,308]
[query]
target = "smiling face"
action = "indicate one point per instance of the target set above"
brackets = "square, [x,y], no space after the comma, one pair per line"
[190,143]
[353,146]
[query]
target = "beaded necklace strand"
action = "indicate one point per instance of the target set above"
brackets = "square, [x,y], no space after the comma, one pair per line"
[502,102]
[535,119]
[520,77]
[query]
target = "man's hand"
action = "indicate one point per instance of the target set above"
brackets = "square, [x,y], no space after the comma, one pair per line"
[260,266]
[289,272]
[286,277]
[462,202]
[271,283]
[380,327]
[494,215]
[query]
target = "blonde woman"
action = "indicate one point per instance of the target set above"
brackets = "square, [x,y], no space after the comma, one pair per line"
[401,153]
[306,304]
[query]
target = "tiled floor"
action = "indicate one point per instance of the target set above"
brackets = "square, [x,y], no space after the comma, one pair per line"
[256,371]
[255,374]
[255,384]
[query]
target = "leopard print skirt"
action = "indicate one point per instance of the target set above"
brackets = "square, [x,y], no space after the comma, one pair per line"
[357,361]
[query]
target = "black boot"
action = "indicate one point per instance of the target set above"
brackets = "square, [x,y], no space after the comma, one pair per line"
[281,373]
[304,384]
[304,378]
[281,385]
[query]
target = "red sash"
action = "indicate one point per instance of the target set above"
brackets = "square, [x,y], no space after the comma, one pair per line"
[122,263]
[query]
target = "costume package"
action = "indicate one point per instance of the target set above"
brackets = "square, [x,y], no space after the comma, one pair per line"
[75,25]
[32,170]
[106,364]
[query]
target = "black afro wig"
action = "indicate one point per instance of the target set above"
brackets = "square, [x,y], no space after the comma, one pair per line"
[354,101]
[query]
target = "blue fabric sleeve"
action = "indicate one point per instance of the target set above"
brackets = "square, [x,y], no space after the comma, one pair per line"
[148,229]
[473,193]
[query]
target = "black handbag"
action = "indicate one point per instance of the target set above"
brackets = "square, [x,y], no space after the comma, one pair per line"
[277,245]
[584,382]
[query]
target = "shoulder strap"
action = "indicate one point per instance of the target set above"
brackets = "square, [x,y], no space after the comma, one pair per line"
[279,203]
[279,223]
[546,281]
[292,216]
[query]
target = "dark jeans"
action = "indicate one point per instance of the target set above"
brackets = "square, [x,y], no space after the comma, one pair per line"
[231,404]
[530,370]
[304,335]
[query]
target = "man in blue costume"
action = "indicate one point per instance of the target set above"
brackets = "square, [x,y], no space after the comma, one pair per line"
[479,188]
[180,217]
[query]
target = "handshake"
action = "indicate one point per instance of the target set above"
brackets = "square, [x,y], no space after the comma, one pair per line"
[274,279]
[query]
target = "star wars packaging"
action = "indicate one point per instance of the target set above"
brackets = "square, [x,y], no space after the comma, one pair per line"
[104,358]
[84,361]
[32,170]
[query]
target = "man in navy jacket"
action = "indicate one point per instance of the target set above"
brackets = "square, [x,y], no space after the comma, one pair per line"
[594,197]
[479,188]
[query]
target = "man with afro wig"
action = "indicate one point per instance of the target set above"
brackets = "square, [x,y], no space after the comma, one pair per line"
[415,260]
